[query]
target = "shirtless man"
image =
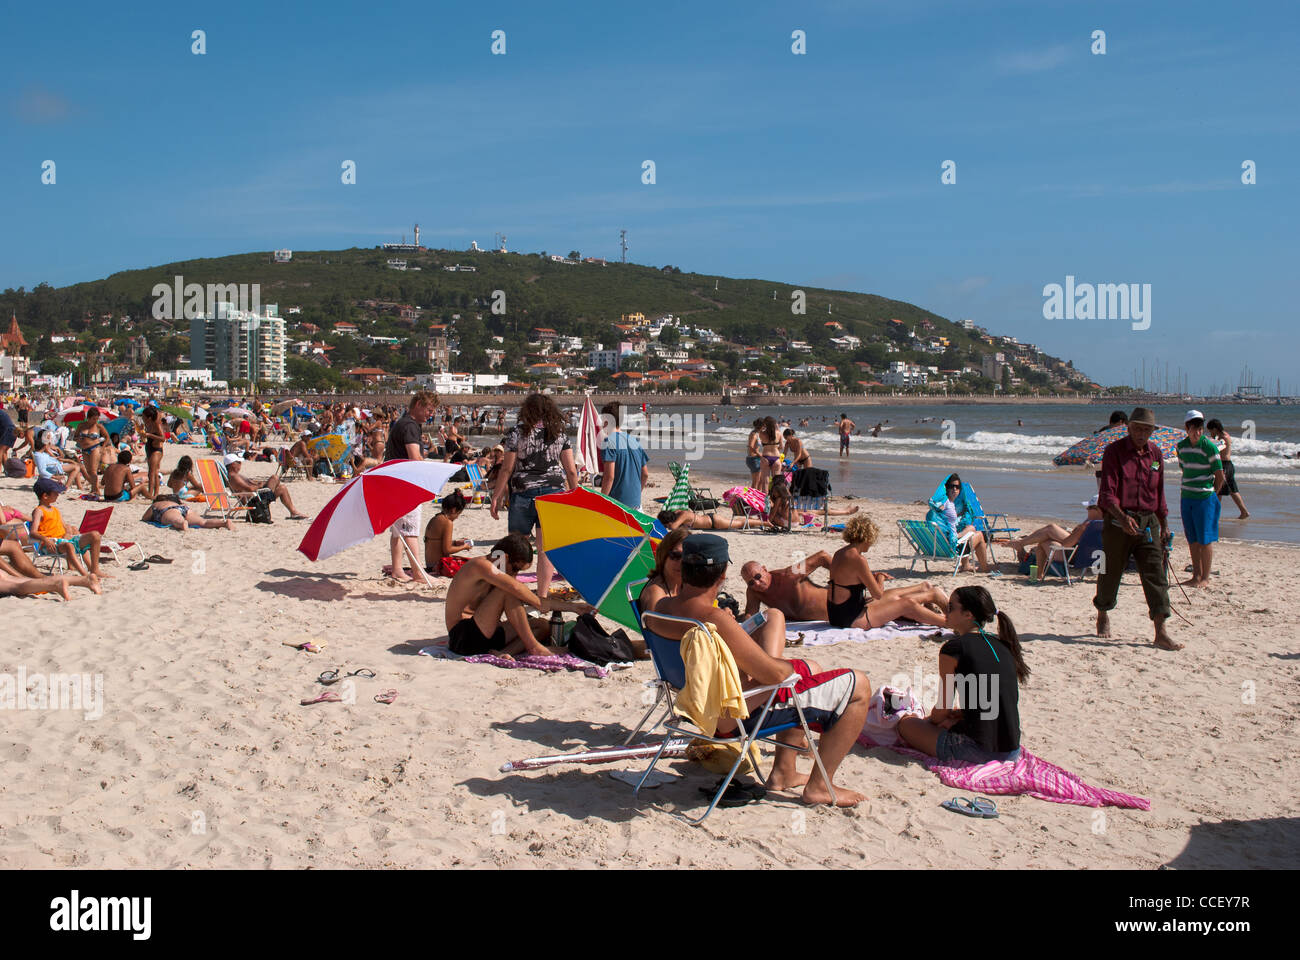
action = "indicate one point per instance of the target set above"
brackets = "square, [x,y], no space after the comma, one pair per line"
[789,589]
[485,591]
[119,482]
[271,486]
[846,428]
[834,701]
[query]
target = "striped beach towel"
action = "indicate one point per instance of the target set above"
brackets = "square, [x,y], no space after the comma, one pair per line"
[754,500]
[1029,775]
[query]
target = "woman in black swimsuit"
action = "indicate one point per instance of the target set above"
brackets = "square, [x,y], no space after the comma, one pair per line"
[152,432]
[856,597]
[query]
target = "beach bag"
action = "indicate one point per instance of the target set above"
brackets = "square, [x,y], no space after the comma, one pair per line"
[15,469]
[886,708]
[259,508]
[589,641]
[811,482]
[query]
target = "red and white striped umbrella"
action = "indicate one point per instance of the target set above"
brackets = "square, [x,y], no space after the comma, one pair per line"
[71,415]
[587,455]
[372,502]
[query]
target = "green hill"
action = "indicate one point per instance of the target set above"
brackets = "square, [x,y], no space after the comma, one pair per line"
[579,299]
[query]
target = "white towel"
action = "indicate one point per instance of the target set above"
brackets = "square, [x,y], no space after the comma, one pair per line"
[817,633]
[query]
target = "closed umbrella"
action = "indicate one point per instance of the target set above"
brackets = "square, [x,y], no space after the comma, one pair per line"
[1091,449]
[679,498]
[587,454]
[599,546]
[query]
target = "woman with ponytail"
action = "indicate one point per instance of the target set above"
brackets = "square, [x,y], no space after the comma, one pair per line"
[987,668]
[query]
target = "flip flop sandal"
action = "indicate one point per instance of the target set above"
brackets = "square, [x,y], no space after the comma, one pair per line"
[328,677]
[737,795]
[363,673]
[961,805]
[985,807]
[388,696]
[157,559]
[141,565]
[329,696]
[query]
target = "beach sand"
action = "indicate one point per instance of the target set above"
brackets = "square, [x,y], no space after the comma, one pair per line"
[203,756]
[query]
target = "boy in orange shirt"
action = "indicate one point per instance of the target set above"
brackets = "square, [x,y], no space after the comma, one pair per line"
[56,537]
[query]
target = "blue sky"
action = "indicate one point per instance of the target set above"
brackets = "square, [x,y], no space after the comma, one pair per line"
[821,169]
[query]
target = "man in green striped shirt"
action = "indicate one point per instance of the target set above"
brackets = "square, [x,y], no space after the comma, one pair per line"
[1202,478]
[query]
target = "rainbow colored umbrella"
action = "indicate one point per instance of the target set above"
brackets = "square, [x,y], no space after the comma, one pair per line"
[1090,449]
[599,546]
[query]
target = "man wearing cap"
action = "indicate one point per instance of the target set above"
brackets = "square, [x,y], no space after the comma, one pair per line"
[1202,478]
[1132,497]
[833,702]
[267,490]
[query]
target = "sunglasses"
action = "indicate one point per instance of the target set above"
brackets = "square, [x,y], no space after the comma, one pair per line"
[675,555]
[753,582]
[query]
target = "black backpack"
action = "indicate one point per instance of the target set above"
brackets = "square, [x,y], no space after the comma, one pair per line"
[589,641]
[259,509]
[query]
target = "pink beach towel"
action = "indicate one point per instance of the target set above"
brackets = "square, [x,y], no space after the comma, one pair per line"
[1030,775]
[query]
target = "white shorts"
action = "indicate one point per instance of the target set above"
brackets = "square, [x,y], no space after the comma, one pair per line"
[409,524]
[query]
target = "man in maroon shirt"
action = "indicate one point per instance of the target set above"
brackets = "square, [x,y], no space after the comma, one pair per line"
[1132,497]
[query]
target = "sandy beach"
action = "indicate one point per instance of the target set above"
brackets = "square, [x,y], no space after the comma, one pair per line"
[203,756]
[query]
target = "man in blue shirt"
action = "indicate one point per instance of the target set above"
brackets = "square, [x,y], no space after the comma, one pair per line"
[624,465]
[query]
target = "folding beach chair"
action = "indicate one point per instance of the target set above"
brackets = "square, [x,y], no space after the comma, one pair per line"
[702,499]
[1082,557]
[477,481]
[290,468]
[96,521]
[220,501]
[811,493]
[663,689]
[668,652]
[930,542]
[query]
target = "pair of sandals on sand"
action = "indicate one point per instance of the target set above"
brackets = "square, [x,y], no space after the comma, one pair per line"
[334,676]
[144,564]
[981,807]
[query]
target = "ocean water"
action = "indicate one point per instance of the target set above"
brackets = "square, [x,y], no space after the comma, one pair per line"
[1006,452]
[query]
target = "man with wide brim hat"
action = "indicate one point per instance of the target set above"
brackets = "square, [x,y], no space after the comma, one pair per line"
[1132,498]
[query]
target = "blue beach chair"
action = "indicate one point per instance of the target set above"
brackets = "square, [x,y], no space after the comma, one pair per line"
[667,656]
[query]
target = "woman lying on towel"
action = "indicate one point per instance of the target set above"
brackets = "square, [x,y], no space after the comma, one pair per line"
[688,520]
[987,668]
[168,510]
[857,597]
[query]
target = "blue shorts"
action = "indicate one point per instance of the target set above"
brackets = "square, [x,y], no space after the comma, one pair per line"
[1201,519]
[953,748]
[522,514]
[753,464]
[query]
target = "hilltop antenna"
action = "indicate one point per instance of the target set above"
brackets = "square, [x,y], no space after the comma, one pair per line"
[622,242]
